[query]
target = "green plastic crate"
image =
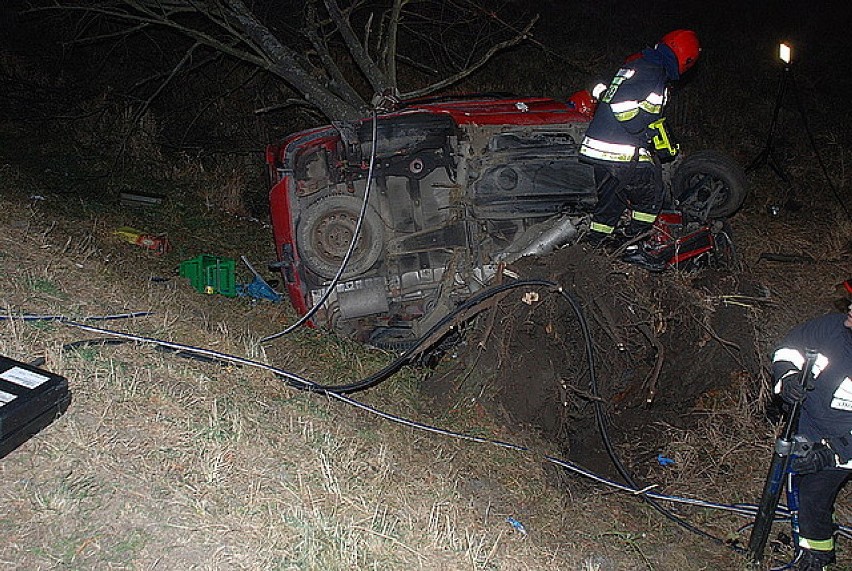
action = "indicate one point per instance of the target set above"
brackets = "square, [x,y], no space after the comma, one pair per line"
[210,274]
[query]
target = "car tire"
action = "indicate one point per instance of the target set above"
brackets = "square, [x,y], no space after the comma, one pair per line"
[324,234]
[709,185]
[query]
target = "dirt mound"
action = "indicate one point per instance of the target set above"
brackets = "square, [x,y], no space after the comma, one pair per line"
[660,342]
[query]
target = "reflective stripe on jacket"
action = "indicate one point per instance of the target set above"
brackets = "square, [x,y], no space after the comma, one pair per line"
[827,410]
[633,100]
[614,152]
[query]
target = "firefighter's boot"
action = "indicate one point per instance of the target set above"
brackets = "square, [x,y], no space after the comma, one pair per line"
[811,560]
[639,257]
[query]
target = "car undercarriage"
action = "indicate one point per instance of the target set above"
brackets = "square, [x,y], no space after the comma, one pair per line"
[454,192]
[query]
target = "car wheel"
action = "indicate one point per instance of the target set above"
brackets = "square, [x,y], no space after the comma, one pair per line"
[709,185]
[325,233]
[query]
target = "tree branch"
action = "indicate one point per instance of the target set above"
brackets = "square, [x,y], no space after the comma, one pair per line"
[207,60]
[391,45]
[523,35]
[283,63]
[141,112]
[204,108]
[452,30]
[105,37]
[337,83]
[365,63]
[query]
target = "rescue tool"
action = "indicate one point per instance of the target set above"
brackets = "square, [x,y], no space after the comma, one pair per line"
[779,471]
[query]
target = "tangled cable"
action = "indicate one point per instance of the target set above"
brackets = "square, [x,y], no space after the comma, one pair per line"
[463,312]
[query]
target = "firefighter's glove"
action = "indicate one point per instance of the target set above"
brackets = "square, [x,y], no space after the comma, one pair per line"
[818,457]
[792,391]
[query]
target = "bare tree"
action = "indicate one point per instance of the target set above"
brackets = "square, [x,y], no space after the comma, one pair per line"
[337,59]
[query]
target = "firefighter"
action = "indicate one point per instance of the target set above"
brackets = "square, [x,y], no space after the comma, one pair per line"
[823,462]
[620,140]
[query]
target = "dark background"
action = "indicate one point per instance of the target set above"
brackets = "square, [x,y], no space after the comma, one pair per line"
[51,78]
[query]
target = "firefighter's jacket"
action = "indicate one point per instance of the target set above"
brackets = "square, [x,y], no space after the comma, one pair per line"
[619,131]
[826,413]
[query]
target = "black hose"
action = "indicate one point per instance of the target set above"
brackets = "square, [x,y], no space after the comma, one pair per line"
[39,361]
[104,341]
[600,418]
[435,334]
[746,510]
[349,251]
[464,311]
[50,317]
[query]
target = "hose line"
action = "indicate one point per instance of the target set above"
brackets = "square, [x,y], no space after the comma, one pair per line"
[296,381]
[349,251]
[466,310]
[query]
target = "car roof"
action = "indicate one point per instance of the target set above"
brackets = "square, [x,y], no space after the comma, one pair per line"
[491,110]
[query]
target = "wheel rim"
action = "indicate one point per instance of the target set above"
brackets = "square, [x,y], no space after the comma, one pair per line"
[332,235]
[326,234]
[706,191]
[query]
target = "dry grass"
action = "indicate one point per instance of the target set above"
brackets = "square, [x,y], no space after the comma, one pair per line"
[169,463]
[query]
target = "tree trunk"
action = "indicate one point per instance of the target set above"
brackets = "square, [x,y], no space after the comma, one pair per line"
[282,63]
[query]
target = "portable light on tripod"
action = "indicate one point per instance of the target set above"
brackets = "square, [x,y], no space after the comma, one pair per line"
[785,53]
[765,157]
[787,82]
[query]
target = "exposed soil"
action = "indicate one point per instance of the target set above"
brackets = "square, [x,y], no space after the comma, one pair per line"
[163,463]
[664,346]
[661,342]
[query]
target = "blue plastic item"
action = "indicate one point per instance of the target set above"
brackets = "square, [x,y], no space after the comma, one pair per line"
[258,289]
[519,527]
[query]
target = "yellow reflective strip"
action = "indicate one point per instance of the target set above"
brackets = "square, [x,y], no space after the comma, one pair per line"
[623,106]
[603,146]
[643,217]
[654,98]
[817,544]
[626,115]
[650,107]
[613,157]
[602,228]
[597,149]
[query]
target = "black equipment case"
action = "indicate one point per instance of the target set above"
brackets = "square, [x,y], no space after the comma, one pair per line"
[30,399]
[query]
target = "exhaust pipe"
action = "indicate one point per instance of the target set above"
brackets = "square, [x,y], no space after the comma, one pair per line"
[542,238]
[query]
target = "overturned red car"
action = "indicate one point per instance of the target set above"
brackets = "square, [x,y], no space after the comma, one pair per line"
[454,189]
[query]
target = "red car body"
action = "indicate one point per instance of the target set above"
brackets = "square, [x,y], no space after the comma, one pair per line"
[458,188]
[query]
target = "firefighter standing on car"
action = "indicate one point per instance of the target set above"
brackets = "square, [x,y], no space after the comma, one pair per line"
[823,463]
[627,133]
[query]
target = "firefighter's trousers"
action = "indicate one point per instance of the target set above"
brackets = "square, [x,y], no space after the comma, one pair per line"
[817,494]
[635,186]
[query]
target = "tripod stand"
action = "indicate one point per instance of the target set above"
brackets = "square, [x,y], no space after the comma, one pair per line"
[766,157]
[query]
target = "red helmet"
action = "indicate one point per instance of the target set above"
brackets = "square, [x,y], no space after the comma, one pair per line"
[844,292]
[685,45]
[584,102]
[845,289]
